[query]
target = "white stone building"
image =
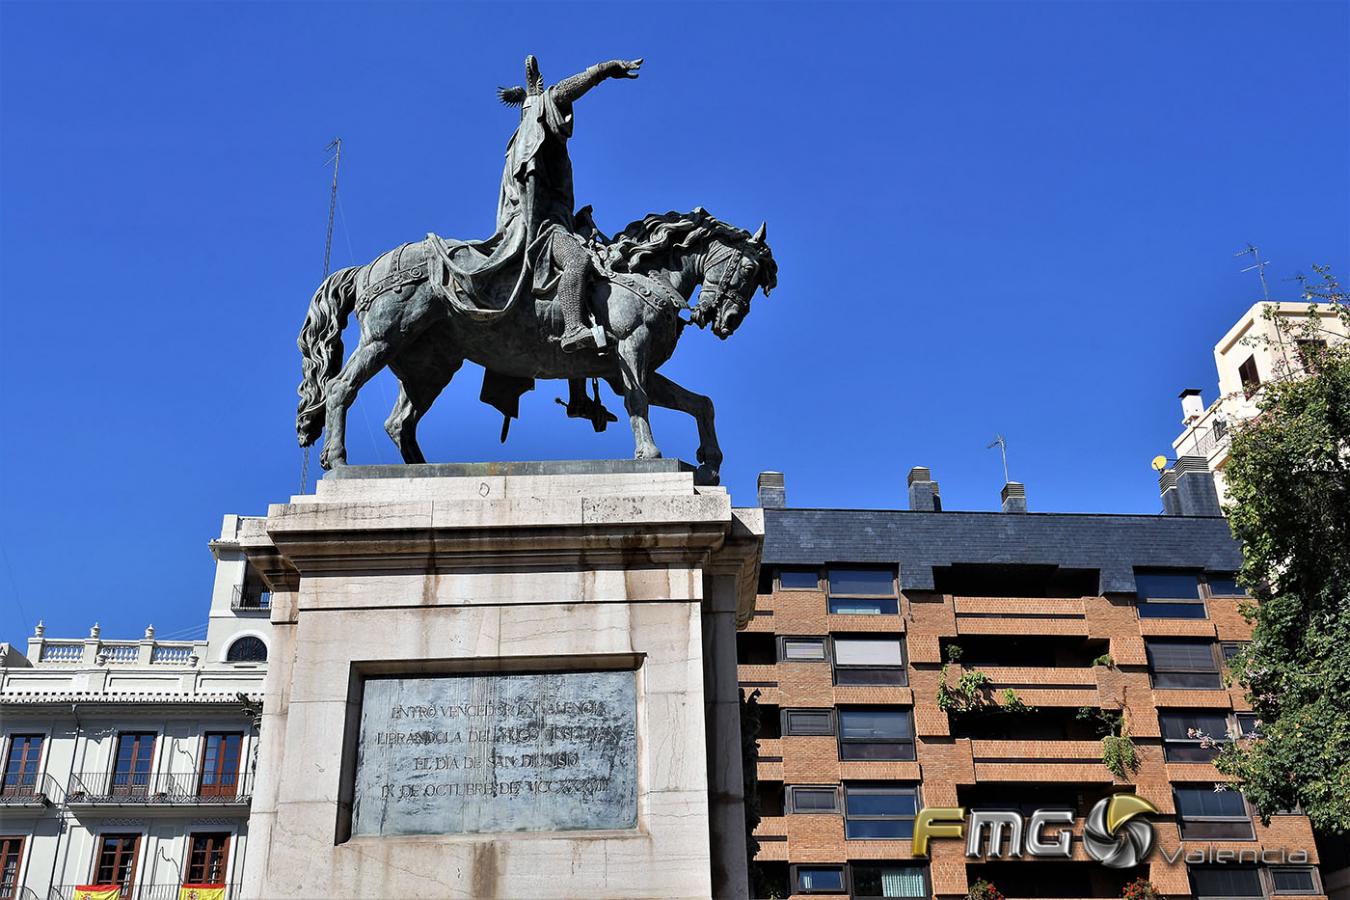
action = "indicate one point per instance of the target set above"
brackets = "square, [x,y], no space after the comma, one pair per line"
[131,762]
[1267,344]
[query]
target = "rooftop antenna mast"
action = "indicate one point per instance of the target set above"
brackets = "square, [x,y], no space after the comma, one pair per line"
[1259,265]
[1002,444]
[334,147]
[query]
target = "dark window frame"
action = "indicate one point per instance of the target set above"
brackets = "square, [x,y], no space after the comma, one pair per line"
[1209,585]
[900,670]
[1250,376]
[878,789]
[1193,828]
[1191,870]
[244,645]
[222,780]
[778,578]
[133,779]
[905,745]
[198,870]
[11,864]
[1229,649]
[885,600]
[786,723]
[1158,677]
[1312,873]
[1185,743]
[821,641]
[23,782]
[119,855]
[795,885]
[790,799]
[1143,602]
[885,864]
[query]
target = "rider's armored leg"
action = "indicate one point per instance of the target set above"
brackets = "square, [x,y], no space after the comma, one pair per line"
[571,289]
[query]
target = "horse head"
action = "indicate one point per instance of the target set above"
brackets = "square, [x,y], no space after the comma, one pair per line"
[735,264]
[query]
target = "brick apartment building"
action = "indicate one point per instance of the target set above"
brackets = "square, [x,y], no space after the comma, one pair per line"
[858,610]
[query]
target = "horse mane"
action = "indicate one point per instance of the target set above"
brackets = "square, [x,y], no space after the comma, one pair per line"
[654,235]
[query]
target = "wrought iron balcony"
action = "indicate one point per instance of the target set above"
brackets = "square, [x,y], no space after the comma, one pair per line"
[30,790]
[170,891]
[158,789]
[251,601]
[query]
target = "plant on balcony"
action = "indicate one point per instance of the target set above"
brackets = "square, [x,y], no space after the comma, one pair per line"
[954,653]
[983,890]
[1011,702]
[1118,751]
[1289,485]
[1140,889]
[1104,660]
[973,692]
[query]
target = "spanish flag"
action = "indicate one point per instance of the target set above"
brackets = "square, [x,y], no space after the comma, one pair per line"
[98,892]
[202,892]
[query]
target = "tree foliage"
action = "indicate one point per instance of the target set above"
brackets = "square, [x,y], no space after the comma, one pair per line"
[1289,484]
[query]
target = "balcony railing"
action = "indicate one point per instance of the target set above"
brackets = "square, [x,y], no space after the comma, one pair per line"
[140,892]
[251,601]
[163,788]
[94,651]
[31,790]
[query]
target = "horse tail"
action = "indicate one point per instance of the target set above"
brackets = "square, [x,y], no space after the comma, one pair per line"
[320,345]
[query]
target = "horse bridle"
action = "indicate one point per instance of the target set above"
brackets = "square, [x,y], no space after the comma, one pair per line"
[706,310]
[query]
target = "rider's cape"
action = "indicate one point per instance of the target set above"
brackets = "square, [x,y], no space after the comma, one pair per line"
[535,196]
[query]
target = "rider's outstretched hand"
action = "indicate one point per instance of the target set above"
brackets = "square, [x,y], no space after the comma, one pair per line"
[628,68]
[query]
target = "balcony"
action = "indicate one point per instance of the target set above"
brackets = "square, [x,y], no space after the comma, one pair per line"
[163,789]
[1039,761]
[169,891]
[1020,615]
[252,601]
[94,651]
[31,790]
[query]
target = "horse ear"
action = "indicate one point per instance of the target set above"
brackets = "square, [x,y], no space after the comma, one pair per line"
[760,235]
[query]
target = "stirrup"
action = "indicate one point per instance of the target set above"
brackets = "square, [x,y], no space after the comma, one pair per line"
[579,338]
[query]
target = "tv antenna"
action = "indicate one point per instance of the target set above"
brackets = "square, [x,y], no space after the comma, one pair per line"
[1002,444]
[1259,265]
[335,147]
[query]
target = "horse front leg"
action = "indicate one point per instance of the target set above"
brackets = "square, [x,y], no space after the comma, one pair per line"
[633,371]
[666,393]
[340,393]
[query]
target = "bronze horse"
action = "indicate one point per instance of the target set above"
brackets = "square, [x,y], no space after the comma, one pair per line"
[424,327]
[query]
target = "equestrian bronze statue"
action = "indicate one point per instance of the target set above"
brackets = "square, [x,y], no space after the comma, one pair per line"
[546,296]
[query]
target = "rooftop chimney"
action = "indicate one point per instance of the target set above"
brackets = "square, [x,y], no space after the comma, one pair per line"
[1014,496]
[1192,405]
[772,490]
[1188,489]
[923,491]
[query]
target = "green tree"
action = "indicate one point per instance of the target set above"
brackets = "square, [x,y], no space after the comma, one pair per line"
[1289,487]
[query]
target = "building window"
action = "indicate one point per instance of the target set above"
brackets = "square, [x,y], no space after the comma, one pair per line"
[879,813]
[135,756]
[21,765]
[869,660]
[808,721]
[812,800]
[1232,648]
[818,879]
[798,580]
[206,860]
[1183,664]
[1169,595]
[1225,881]
[795,649]
[871,880]
[11,852]
[865,592]
[1205,814]
[1223,585]
[116,863]
[876,734]
[1249,376]
[1183,735]
[1248,725]
[247,649]
[220,764]
[1294,880]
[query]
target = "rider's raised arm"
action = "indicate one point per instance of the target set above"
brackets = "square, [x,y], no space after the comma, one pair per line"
[569,90]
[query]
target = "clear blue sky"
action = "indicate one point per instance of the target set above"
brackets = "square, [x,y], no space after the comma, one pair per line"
[1012,217]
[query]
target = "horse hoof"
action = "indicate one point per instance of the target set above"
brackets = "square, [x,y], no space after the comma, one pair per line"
[652,453]
[706,476]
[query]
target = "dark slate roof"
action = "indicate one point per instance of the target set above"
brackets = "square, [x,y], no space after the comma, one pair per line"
[918,541]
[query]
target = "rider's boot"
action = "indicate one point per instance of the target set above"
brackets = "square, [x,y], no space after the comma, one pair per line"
[571,283]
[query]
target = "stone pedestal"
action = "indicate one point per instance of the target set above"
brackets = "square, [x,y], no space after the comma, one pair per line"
[510,680]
